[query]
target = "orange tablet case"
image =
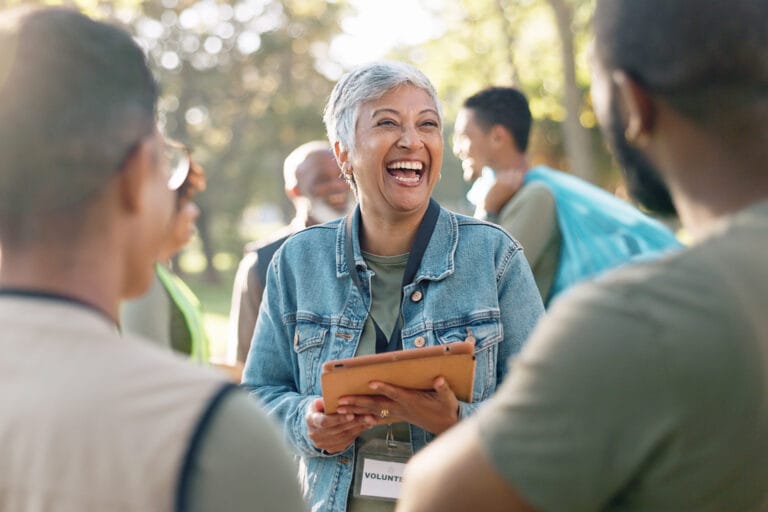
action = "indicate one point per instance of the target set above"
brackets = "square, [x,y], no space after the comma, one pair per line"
[413,369]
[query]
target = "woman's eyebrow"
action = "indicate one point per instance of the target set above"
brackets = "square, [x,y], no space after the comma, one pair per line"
[394,111]
[384,110]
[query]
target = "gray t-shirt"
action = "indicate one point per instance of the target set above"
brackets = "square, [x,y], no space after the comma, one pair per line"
[647,389]
[242,463]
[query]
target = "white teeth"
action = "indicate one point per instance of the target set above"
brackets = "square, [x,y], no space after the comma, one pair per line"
[413,166]
[410,181]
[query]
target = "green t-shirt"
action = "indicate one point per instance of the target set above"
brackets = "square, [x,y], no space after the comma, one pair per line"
[531,218]
[386,288]
[646,389]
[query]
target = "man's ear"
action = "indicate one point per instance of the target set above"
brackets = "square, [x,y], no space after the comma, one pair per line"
[135,174]
[501,137]
[293,193]
[637,107]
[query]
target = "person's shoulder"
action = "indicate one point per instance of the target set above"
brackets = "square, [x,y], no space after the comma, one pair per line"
[242,411]
[134,352]
[475,230]
[535,189]
[684,291]
[314,234]
[238,457]
[274,239]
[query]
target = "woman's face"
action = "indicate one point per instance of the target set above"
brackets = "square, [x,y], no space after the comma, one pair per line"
[182,228]
[398,152]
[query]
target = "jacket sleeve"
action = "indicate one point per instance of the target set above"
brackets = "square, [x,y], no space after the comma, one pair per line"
[271,371]
[520,307]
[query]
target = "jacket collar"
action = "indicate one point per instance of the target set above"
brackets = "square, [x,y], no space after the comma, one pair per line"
[438,260]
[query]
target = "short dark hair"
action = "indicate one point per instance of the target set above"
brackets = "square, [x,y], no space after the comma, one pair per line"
[505,106]
[76,97]
[709,60]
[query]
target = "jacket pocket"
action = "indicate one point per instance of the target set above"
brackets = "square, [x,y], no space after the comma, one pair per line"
[308,342]
[485,327]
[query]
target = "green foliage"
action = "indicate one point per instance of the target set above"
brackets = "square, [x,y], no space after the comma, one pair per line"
[244,82]
[241,87]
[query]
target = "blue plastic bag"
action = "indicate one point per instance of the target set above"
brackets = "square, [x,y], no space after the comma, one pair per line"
[599,231]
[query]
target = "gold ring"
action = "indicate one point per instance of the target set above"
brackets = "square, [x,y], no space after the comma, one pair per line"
[384,413]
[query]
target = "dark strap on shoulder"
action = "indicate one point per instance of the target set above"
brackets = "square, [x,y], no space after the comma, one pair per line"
[264,258]
[195,443]
[423,235]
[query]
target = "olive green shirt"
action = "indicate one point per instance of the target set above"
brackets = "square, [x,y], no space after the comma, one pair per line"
[646,389]
[530,217]
[386,287]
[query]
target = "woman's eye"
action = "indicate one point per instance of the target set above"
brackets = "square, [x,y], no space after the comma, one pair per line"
[431,124]
[386,122]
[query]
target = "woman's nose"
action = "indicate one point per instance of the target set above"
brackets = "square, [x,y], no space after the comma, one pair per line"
[410,138]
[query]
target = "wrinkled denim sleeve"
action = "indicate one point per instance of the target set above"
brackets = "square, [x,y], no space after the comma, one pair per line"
[271,369]
[520,306]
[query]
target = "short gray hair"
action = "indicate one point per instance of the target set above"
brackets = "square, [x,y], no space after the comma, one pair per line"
[366,83]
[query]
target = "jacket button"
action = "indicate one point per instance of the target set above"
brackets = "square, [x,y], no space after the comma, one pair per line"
[417,296]
[419,341]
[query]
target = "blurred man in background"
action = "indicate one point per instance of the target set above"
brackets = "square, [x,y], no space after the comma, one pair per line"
[646,389]
[570,229]
[91,420]
[319,194]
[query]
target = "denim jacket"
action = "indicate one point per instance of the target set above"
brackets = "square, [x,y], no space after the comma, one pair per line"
[472,275]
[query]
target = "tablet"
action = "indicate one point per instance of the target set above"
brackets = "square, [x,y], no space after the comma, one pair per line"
[413,369]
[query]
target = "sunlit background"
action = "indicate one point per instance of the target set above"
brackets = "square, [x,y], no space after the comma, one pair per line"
[244,82]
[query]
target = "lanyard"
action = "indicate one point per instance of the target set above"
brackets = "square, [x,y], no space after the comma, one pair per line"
[424,233]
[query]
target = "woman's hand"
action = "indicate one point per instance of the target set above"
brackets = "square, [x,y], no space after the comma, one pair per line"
[434,411]
[506,185]
[334,432]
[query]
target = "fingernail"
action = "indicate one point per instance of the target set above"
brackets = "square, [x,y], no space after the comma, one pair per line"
[341,410]
[374,385]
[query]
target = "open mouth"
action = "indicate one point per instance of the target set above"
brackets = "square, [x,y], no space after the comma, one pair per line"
[407,172]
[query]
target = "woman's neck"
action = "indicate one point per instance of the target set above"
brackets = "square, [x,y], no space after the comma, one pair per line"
[388,236]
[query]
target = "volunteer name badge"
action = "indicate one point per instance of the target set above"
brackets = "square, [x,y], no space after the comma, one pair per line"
[381,478]
[379,468]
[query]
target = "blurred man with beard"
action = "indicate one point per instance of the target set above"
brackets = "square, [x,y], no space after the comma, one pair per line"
[647,390]
[319,194]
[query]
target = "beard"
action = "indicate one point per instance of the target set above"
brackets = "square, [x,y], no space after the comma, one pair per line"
[644,183]
[322,212]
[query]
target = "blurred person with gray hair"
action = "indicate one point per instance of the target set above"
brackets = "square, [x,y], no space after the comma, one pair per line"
[92,419]
[648,388]
[314,185]
[400,272]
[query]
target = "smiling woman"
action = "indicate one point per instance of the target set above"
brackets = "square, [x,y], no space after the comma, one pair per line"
[395,164]
[399,273]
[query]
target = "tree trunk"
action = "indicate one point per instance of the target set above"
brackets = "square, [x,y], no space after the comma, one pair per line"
[211,275]
[578,144]
[509,39]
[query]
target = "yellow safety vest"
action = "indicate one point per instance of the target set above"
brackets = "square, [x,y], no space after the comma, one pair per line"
[191,310]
